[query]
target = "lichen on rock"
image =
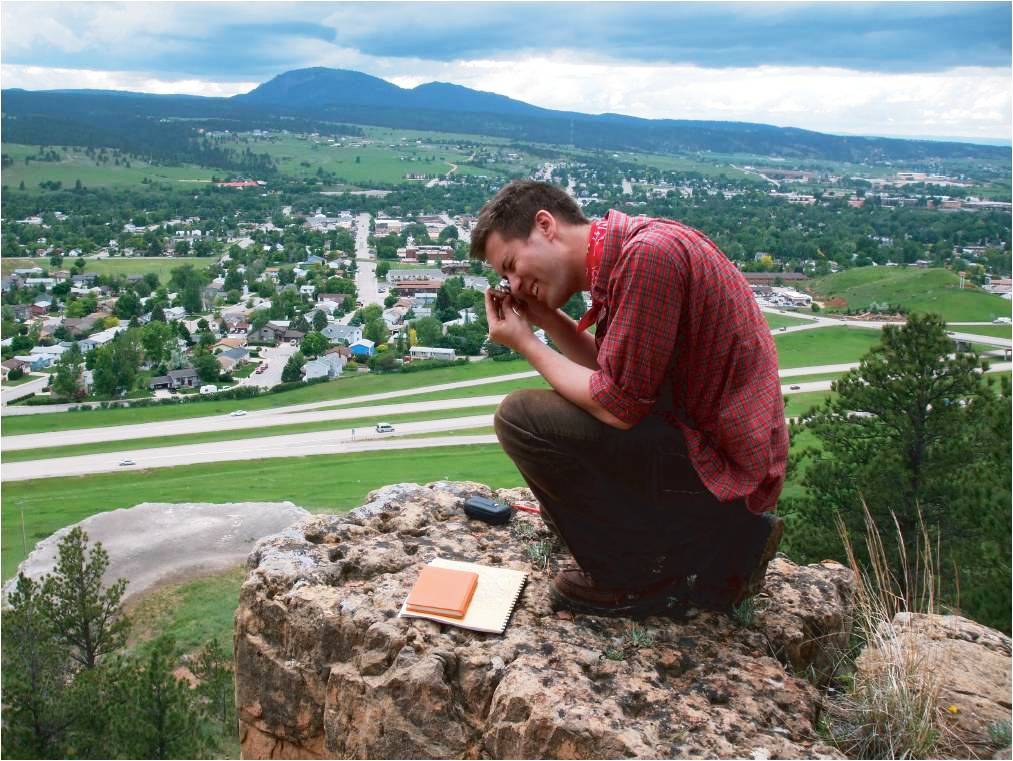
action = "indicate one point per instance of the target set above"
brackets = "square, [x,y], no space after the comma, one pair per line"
[325,668]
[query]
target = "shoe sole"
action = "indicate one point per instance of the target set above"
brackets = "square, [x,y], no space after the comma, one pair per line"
[653,605]
[755,583]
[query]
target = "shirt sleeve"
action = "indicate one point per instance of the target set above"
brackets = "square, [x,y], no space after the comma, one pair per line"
[645,296]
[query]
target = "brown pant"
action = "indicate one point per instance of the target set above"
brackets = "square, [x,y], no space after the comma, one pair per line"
[628,504]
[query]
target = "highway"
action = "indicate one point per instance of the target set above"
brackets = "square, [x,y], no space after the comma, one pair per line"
[295,445]
[334,441]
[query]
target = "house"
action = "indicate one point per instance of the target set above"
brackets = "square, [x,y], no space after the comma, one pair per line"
[233,342]
[78,326]
[432,352]
[21,311]
[335,332]
[101,338]
[396,276]
[53,352]
[362,348]
[174,313]
[415,287]
[293,336]
[325,366]
[36,362]
[271,333]
[185,377]
[342,351]
[14,364]
[326,305]
[232,358]
[307,290]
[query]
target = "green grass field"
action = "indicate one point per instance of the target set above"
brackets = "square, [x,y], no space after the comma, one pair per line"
[320,484]
[118,265]
[75,165]
[342,388]
[824,346]
[191,612]
[918,290]
[996,331]
[776,321]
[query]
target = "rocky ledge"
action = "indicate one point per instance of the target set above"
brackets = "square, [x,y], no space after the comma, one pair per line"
[325,668]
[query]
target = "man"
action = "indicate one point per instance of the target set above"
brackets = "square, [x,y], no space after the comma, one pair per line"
[662,446]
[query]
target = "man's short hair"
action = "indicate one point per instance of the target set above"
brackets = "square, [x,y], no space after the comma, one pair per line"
[511,212]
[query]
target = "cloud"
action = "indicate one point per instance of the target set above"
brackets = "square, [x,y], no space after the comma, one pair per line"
[908,68]
[250,40]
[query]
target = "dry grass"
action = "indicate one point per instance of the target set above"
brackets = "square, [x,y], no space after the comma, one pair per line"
[892,709]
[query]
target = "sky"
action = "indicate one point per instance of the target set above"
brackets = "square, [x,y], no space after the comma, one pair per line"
[906,69]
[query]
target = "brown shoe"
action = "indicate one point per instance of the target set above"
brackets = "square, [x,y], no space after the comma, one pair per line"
[575,590]
[725,592]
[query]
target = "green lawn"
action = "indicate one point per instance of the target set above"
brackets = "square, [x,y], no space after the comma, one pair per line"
[995,331]
[918,290]
[319,484]
[23,379]
[799,403]
[117,265]
[783,321]
[75,165]
[191,612]
[824,346]
[21,455]
[341,388]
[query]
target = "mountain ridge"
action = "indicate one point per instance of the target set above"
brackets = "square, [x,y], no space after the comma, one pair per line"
[322,96]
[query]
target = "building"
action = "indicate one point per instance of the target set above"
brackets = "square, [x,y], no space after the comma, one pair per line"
[325,366]
[432,352]
[335,332]
[416,287]
[363,348]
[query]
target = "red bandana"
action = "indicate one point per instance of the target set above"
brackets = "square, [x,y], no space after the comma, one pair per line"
[595,250]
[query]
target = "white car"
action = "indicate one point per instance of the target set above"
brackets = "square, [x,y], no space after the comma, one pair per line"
[237,413]
[384,428]
[1002,321]
[124,463]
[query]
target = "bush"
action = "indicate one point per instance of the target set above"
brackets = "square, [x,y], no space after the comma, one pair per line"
[421,365]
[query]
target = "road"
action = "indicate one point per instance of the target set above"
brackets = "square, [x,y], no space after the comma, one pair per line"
[252,420]
[295,445]
[335,441]
[365,272]
[34,386]
[276,357]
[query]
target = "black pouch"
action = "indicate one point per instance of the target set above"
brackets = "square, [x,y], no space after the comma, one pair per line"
[488,510]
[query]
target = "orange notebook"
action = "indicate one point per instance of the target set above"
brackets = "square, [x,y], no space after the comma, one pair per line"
[443,591]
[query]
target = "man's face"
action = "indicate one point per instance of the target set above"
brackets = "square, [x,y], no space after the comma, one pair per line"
[534,266]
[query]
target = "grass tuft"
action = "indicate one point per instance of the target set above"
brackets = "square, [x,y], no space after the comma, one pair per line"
[891,710]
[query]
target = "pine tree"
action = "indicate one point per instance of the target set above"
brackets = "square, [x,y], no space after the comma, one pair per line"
[88,618]
[36,669]
[164,720]
[912,431]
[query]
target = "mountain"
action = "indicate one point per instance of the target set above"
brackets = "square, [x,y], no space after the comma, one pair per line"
[327,100]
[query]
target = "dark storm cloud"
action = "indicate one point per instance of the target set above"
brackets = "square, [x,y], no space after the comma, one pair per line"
[239,41]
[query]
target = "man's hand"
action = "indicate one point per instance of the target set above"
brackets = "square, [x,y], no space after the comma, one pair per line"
[506,325]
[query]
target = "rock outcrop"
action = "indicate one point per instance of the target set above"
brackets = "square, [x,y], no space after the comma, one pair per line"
[325,668]
[155,542]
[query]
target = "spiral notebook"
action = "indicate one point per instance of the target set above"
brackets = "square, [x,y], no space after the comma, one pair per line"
[492,602]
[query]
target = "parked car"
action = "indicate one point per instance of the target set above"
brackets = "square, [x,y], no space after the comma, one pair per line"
[384,428]
[237,413]
[260,369]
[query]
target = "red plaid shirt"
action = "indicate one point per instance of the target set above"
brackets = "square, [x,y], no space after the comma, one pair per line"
[679,323]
